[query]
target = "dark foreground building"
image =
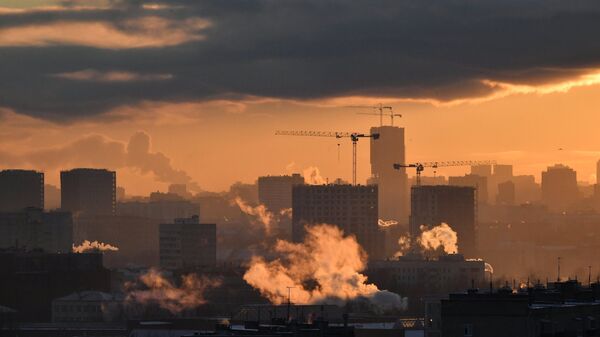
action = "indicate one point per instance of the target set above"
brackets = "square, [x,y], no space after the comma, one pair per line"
[29,281]
[560,309]
[20,189]
[351,208]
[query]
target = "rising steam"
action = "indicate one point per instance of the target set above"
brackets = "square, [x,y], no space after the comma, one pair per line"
[154,288]
[312,176]
[439,238]
[262,217]
[86,246]
[325,268]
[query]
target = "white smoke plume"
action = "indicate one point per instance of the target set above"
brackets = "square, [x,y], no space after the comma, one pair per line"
[86,246]
[386,223]
[325,268]
[286,212]
[439,236]
[312,176]
[154,288]
[262,217]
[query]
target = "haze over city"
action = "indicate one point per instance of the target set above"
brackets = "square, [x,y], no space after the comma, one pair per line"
[299,168]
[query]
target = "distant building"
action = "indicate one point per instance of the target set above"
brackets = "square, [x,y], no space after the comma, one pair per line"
[506,193]
[454,205]
[559,188]
[502,173]
[88,306]
[180,189]
[20,189]
[526,189]
[275,192]
[135,237]
[480,183]
[51,197]
[164,209]
[33,228]
[188,244]
[387,150]
[482,170]
[352,208]
[35,279]
[563,309]
[420,277]
[88,191]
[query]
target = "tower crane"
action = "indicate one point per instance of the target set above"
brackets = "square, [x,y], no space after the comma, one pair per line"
[421,166]
[354,137]
[379,107]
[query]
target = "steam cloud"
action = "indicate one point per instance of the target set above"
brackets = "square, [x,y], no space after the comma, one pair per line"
[312,176]
[325,268]
[86,246]
[262,217]
[159,290]
[441,237]
[98,151]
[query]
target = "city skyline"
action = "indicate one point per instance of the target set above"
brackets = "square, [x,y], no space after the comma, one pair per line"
[533,111]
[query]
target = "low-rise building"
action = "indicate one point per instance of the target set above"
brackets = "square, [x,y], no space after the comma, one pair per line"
[88,306]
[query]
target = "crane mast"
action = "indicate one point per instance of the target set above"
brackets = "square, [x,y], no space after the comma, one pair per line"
[354,137]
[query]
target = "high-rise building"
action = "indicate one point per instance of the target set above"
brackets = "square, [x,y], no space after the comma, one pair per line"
[506,193]
[526,189]
[20,189]
[88,191]
[559,188]
[480,183]
[484,170]
[351,208]
[502,173]
[453,205]
[275,192]
[386,151]
[188,244]
[33,228]
[163,210]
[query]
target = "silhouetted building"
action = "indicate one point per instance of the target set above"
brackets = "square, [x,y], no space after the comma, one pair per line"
[564,309]
[188,244]
[33,228]
[454,205]
[31,280]
[352,208]
[503,173]
[135,237]
[275,192]
[88,307]
[88,191]
[20,189]
[180,189]
[482,170]
[422,277]
[480,183]
[506,193]
[526,189]
[162,209]
[559,188]
[387,150]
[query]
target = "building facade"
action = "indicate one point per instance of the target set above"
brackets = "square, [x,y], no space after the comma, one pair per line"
[33,228]
[453,205]
[352,208]
[559,188]
[387,150]
[188,244]
[20,189]
[89,191]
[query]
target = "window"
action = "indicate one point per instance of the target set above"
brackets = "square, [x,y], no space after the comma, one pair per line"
[468,330]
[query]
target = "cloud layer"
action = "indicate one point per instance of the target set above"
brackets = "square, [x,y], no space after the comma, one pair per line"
[287,49]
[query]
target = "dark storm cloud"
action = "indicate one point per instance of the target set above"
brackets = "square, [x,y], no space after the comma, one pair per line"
[307,49]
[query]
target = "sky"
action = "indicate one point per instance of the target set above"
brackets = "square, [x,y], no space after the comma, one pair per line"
[193,91]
